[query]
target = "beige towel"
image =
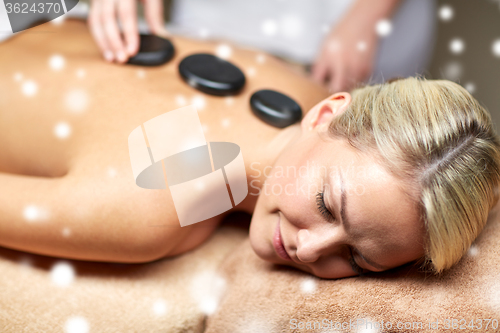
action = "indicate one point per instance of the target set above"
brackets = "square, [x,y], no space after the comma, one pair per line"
[263,297]
[37,293]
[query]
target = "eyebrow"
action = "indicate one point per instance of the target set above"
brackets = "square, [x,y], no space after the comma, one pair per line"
[345,222]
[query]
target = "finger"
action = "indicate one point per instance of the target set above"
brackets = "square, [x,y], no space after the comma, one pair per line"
[96,28]
[127,11]
[109,21]
[338,81]
[153,11]
[320,70]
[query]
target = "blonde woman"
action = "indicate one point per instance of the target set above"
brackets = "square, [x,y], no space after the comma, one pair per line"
[415,171]
[387,175]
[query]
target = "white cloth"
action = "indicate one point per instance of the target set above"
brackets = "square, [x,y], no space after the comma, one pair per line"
[290,28]
[295,29]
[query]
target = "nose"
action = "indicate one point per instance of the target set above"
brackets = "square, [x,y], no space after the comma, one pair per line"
[311,244]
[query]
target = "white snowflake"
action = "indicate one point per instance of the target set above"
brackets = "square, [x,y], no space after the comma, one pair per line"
[361,46]
[66,232]
[446,12]
[141,74]
[81,73]
[291,26]
[251,71]
[225,122]
[383,28]
[269,27]
[495,48]
[62,274]
[470,87]
[112,172]
[308,285]
[76,325]
[473,251]
[224,51]
[33,213]
[453,71]
[204,33]
[180,100]
[457,45]
[62,130]
[160,307]
[57,62]
[76,100]
[207,289]
[29,88]
[18,76]
[199,102]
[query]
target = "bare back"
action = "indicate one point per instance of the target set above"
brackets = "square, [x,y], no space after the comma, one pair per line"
[82,175]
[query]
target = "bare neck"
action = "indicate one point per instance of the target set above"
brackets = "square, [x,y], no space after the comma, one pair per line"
[259,166]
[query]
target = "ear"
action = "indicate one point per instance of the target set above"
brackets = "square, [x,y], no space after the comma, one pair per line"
[322,113]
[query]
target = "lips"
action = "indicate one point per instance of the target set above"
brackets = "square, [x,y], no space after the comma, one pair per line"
[278,243]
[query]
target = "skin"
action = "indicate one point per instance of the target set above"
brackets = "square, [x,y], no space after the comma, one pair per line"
[384,223]
[345,58]
[111,219]
[347,55]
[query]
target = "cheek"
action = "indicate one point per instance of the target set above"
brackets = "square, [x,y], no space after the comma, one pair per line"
[260,231]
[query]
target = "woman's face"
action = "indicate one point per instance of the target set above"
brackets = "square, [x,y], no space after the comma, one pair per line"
[367,219]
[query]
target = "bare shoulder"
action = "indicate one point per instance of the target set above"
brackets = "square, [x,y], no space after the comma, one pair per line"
[195,235]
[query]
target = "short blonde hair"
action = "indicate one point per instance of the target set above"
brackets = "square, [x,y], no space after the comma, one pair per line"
[435,134]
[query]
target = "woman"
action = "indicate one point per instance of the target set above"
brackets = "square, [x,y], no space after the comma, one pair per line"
[413,169]
[392,174]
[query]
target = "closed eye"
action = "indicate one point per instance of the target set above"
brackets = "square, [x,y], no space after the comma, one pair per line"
[322,207]
[355,267]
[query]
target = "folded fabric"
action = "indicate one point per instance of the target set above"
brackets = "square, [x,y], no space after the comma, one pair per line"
[43,294]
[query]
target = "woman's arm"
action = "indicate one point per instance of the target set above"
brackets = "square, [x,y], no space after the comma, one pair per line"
[85,218]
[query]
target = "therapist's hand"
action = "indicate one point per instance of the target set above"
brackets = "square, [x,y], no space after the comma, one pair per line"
[348,52]
[346,57]
[103,22]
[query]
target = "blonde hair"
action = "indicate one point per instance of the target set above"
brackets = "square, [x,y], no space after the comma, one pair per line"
[435,134]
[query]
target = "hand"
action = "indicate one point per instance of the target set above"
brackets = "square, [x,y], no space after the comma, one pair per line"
[103,22]
[347,55]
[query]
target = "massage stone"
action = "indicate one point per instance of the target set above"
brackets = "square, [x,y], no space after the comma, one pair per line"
[211,75]
[153,51]
[275,109]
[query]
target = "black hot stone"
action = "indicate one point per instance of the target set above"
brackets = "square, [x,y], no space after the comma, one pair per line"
[211,75]
[275,108]
[153,51]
